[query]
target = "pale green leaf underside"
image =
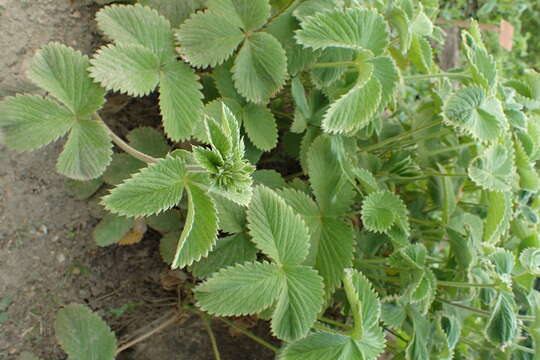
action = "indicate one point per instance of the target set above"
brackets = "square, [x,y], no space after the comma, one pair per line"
[354,110]
[131,69]
[502,325]
[528,176]
[139,25]
[499,213]
[84,335]
[229,251]
[299,303]
[493,169]
[200,231]
[260,126]
[355,28]
[87,152]
[240,290]
[111,229]
[260,68]
[175,11]
[207,39]
[180,100]
[248,15]
[62,71]
[471,111]
[276,229]
[156,188]
[28,122]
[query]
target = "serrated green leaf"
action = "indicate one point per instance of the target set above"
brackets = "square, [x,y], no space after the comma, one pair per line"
[165,222]
[247,15]
[322,345]
[333,192]
[149,141]
[354,110]
[260,68]
[276,229]
[493,169]
[167,246]
[470,110]
[207,39]
[418,348]
[358,29]
[87,152]
[400,21]
[154,189]
[111,229]
[83,190]
[269,178]
[499,213]
[313,7]
[28,122]
[299,303]
[131,69]
[240,290]
[222,75]
[481,64]
[385,70]
[380,210]
[62,71]
[232,217]
[421,54]
[503,260]
[502,325]
[175,11]
[530,260]
[138,25]
[421,24]
[229,251]
[83,335]
[260,126]
[326,76]
[180,100]
[122,166]
[200,231]
[528,176]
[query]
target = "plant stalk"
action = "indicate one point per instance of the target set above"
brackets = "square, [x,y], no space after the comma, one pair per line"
[333,64]
[458,76]
[250,335]
[399,137]
[208,327]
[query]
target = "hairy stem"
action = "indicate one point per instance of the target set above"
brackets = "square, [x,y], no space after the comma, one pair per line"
[333,64]
[334,322]
[124,146]
[350,292]
[249,335]
[452,148]
[463,284]
[208,327]
[481,312]
[458,76]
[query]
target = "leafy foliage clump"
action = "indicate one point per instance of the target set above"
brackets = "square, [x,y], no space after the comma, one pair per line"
[403,216]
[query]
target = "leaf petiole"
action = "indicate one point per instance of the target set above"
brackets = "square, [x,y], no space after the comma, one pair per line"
[458,76]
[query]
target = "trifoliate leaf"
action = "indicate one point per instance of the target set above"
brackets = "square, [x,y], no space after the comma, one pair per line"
[530,260]
[165,222]
[207,39]
[260,126]
[84,335]
[139,25]
[499,214]
[131,69]
[276,229]
[87,152]
[62,71]
[421,54]
[502,325]
[528,176]
[358,29]
[260,68]
[122,166]
[381,210]
[493,169]
[354,110]
[299,303]
[229,251]
[156,188]
[332,190]
[470,110]
[200,230]
[180,100]
[175,11]
[149,141]
[240,290]
[111,229]
[29,122]
[248,15]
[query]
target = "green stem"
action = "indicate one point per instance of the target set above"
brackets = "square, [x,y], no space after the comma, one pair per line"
[463,284]
[452,148]
[333,64]
[123,145]
[356,306]
[208,327]
[250,335]
[424,222]
[482,312]
[525,349]
[458,76]
[434,173]
[401,136]
[321,327]
[334,322]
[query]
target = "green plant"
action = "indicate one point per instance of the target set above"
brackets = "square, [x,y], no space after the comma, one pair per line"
[411,226]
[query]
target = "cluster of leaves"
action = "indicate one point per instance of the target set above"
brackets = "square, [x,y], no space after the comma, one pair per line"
[412,227]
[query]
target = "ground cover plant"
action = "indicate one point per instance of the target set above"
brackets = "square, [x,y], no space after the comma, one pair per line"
[313,167]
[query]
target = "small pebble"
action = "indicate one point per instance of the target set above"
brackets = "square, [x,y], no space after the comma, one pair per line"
[61,258]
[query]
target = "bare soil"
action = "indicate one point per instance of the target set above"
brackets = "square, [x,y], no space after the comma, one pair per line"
[47,255]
